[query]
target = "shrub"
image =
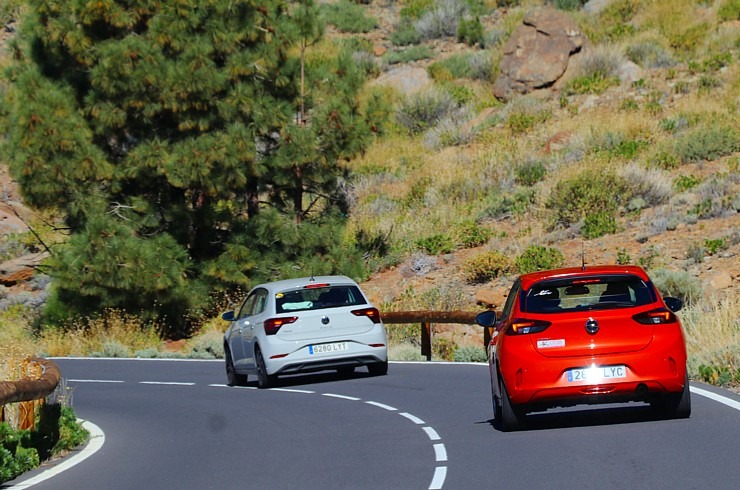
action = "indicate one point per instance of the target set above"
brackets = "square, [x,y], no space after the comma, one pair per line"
[112,348]
[569,5]
[443,348]
[485,266]
[650,54]
[422,110]
[530,172]
[684,183]
[452,130]
[441,20]
[470,353]
[708,142]
[590,193]
[651,185]
[498,205]
[599,224]
[465,65]
[405,34]
[538,258]
[348,16]
[470,234]
[596,71]
[414,53]
[679,284]
[439,243]
[207,345]
[470,31]
[729,11]
[405,351]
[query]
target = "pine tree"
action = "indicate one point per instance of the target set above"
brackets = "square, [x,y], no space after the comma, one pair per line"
[182,147]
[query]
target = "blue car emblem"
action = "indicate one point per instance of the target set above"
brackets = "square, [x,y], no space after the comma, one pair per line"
[325,320]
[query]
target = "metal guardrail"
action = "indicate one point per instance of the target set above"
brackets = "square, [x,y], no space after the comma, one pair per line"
[426,317]
[26,390]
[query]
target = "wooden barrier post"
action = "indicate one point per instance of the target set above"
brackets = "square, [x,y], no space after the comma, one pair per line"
[426,340]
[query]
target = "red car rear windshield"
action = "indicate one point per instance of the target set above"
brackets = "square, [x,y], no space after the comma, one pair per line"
[318,298]
[588,293]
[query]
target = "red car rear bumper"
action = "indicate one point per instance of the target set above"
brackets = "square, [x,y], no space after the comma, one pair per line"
[532,379]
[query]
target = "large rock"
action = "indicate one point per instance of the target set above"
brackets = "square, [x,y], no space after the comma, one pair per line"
[538,52]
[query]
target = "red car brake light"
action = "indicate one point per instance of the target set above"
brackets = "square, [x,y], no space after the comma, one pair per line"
[520,326]
[655,317]
[316,286]
[372,313]
[272,325]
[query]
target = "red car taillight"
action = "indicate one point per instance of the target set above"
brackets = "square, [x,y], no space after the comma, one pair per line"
[372,313]
[273,324]
[520,326]
[655,317]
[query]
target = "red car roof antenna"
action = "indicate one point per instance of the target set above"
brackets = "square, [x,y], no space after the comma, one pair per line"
[583,256]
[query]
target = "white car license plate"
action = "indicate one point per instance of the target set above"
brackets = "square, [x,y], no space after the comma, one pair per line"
[324,348]
[594,374]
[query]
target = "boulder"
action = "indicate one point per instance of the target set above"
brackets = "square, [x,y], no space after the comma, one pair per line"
[538,52]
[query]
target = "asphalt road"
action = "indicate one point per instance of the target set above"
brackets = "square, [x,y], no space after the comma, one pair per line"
[175,425]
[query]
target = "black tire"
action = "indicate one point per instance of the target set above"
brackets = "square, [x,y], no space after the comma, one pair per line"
[378,368]
[497,415]
[264,380]
[678,405]
[232,377]
[512,419]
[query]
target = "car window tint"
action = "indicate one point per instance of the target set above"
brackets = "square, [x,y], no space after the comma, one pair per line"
[588,293]
[318,298]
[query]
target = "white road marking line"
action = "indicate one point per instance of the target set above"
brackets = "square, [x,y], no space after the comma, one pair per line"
[96,381]
[173,383]
[343,397]
[431,433]
[217,385]
[383,406]
[440,453]
[97,439]
[287,390]
[440,473]
[718,398]
[412,418]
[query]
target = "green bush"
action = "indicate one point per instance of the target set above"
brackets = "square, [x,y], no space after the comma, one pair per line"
[470,353]
[470,234]
[497,205]
[707,143]
[348,16]
[413,53]
[405,34]
[439,243]
[538,258]
[56,430]
[530,172]
[470,31]
[729,10]
[594,194]
[422,110]
[485,266]
[444,349]
[679,284]
[599,224]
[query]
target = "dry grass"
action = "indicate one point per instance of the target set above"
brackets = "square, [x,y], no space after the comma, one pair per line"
[96,335]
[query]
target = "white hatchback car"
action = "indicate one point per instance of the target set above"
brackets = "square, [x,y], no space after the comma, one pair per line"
[303,325]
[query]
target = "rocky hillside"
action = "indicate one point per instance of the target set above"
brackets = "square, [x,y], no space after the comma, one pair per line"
[543,34]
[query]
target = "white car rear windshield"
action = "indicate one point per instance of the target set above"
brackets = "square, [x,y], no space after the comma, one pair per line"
[588,293]
[318,298]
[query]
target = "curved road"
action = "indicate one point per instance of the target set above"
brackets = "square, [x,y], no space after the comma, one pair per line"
[175,425]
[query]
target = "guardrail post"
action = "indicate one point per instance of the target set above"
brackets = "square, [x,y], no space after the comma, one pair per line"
[426,340]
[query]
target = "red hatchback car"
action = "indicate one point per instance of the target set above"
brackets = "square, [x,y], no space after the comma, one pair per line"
[597,334]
